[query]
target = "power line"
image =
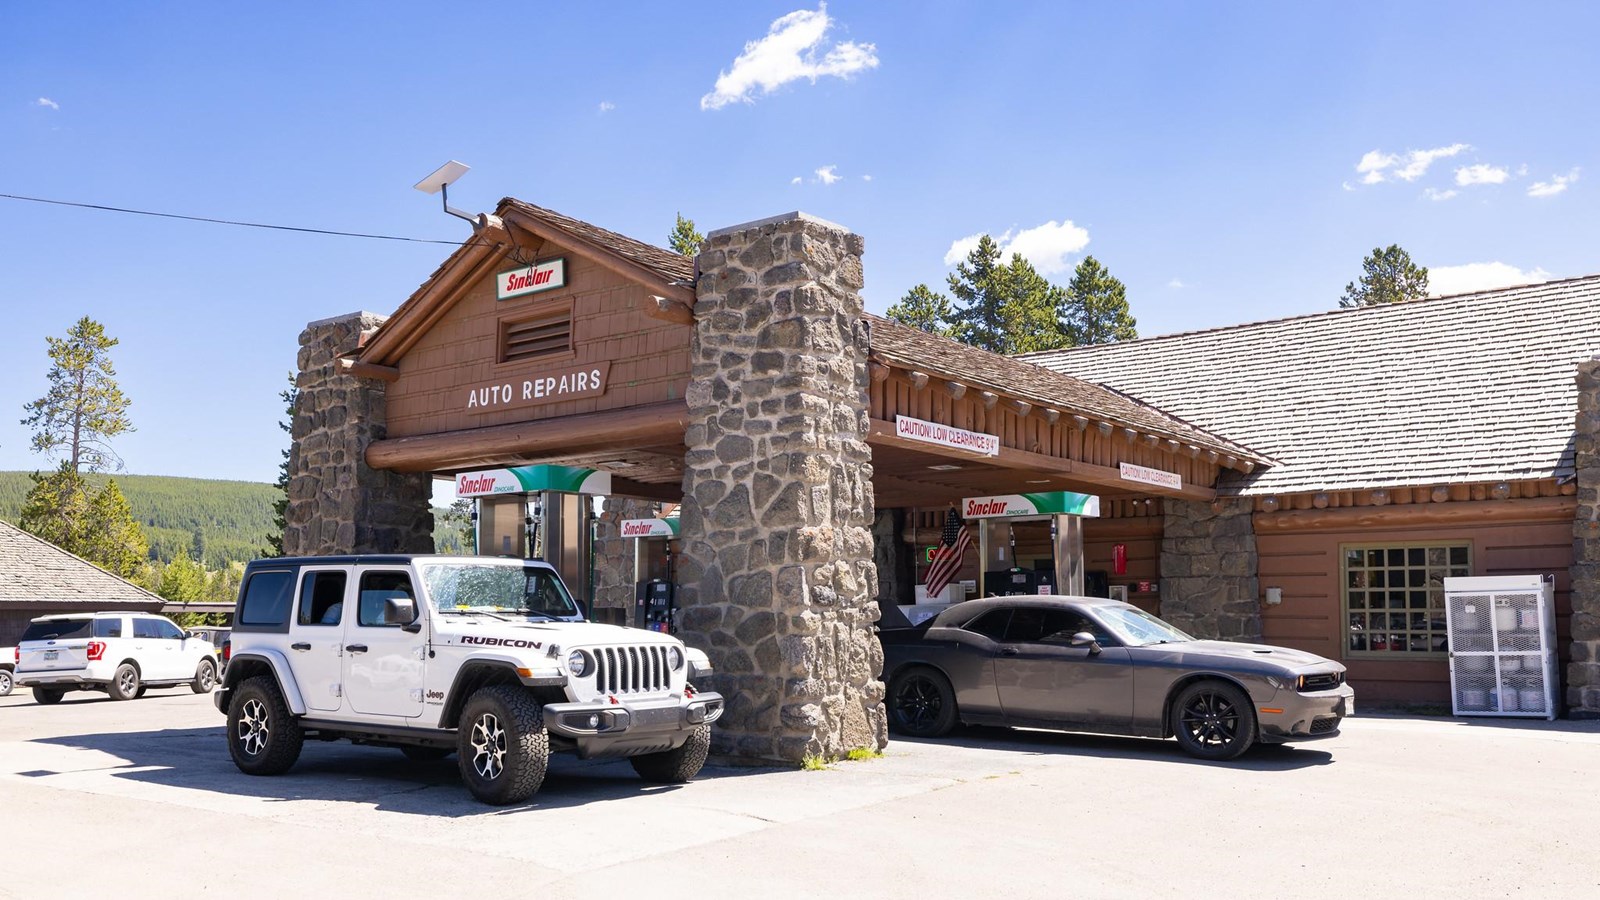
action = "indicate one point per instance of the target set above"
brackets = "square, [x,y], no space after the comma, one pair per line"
[162,215]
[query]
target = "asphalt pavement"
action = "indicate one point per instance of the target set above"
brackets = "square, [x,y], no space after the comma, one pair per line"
[140,800]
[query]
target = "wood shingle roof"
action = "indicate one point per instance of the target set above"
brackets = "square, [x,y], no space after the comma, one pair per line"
[1467,388]
[34,570]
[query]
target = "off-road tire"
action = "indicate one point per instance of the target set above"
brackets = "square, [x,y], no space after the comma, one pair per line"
[45,696]
[124,684]
[921,703]
[7,683]
[676,766]
[1213,720]
[503,749]
[420,754]
[205,677]
[264,737]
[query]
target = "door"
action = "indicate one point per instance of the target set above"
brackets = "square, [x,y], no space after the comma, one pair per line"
[155,649]
[383,661]
[316,640]
[1041,676]
[185,652]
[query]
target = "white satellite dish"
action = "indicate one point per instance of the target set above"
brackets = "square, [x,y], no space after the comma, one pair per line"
[445,174]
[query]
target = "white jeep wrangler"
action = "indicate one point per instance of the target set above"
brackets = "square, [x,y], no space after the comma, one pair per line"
[486,657]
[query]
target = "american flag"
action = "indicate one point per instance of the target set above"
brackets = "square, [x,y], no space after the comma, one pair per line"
[947,556]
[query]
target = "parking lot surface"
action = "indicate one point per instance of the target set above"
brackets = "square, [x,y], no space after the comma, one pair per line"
[139,799]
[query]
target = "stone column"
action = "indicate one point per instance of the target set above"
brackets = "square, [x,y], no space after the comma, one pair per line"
[1583,671]
[777,579]
[613,560]
[1208,568]
[897,581]
[337,503]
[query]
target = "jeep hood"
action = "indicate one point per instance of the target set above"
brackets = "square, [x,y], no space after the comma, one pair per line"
[540,635]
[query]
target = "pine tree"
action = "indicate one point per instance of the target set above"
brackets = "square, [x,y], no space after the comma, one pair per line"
[1388,276]
[1095,310]
[114,540]
[924,308]
[280,506]
[57,508]
[183,580]
[1000,307]
[84,408]
[684,239]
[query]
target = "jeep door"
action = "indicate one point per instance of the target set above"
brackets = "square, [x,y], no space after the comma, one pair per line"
[316,640]
[383,657]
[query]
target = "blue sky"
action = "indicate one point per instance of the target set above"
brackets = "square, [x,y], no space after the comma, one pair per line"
[1228,161]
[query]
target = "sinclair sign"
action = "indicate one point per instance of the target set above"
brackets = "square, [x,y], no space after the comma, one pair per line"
[545,276]
[1049,503]
[529,479]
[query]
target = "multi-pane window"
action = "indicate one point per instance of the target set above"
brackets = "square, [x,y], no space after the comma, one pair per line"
[1394,596]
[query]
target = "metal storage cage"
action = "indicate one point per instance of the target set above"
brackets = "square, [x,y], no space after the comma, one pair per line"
[1502,645]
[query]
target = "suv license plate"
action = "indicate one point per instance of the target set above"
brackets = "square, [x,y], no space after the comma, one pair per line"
[51,654]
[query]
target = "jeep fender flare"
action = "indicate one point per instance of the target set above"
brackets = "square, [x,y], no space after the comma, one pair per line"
[476,672]
[279,665]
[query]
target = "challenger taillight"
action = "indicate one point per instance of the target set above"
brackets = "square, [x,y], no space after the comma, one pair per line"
[97,649]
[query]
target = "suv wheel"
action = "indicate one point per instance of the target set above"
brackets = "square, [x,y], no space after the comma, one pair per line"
[45,696]
[503,749]
[124,682]
[676,766]
[205,678]
[263,736]
[6,684]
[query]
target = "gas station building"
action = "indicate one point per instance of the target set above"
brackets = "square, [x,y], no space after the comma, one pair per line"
[807,451]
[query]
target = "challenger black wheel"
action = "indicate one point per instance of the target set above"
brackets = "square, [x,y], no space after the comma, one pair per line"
[921,703]
[264,737]
[1213,720]
[679,765]
[503,749]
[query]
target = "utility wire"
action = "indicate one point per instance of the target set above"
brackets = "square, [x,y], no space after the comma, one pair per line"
[144,212]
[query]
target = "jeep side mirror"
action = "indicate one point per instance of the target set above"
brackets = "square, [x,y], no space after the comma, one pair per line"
[399,611]
[1085,639]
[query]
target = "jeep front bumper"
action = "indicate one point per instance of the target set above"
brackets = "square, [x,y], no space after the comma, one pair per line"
[627,728]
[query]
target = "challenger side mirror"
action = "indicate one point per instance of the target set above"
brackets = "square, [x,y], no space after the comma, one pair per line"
[1085,639]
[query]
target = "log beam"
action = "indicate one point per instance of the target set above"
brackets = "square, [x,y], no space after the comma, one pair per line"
[368,370]
[668,310]
[1360,518]
[514,444]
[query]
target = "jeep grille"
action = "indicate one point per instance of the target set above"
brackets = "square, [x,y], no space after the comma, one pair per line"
[630,670]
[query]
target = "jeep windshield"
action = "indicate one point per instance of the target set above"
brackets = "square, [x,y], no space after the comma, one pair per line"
[498,590]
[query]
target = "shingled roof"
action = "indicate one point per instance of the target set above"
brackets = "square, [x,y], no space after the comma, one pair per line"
[34,570]
[1467,388]
[668,265]
[915,349]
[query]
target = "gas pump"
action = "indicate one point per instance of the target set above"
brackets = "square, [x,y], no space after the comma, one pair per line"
[1051,521]
[654,592]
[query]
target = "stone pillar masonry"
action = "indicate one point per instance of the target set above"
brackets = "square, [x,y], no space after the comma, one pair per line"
[1208,568]
[777,578]
[337,503]
[1583,671]
[613,560]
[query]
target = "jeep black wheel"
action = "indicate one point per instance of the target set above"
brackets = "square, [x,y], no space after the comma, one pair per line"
[921,703]
[1213,720]
[503,749]
[124,682]
[205,678]
[264,738]
[676,766]
[45,696]
[425,754]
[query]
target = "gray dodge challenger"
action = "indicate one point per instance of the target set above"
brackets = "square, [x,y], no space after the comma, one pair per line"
[1104,666]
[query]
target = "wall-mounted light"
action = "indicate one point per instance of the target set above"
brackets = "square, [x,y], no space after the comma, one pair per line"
[1274,596]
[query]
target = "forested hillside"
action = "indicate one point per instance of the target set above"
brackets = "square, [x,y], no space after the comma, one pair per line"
[227,521]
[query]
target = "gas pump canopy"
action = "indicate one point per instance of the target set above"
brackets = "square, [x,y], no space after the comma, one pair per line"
[590,376]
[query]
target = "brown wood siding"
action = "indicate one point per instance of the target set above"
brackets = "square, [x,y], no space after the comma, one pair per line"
[649,358]
[1307,567]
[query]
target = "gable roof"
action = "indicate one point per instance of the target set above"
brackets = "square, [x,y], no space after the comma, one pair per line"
[912,348]
[1466,388]
[34,570]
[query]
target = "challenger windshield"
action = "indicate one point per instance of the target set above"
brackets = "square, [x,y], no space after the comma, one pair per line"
[498,590]
[1138,628]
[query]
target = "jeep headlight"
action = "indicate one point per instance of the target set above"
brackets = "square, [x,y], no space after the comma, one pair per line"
[675,657]
[579,663]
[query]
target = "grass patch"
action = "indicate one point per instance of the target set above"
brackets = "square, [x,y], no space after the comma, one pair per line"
[860,753]
[856,754]
[814,763]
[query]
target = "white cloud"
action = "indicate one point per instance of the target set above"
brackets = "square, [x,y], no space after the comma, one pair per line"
[1436,194]
[1554,186]
[1481,173]
[1376,166]
[606,106]
[1522,170]
[866,178]
[1471,277]
[47,102]
[1176,284]
[795,47]
[796,180]
[1045,246]
[827,175]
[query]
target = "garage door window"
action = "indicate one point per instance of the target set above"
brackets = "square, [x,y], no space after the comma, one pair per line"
[1394,597]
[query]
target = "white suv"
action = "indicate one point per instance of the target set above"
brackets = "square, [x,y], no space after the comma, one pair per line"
[121,653]
[488,658]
